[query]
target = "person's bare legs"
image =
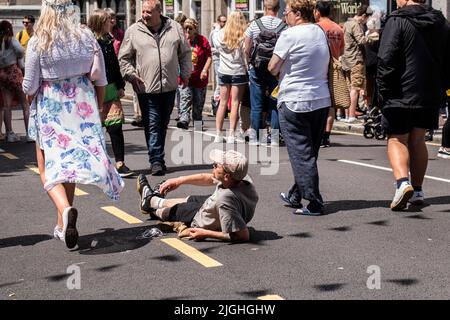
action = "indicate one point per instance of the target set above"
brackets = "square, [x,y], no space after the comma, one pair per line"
[418,153]
[330,120]
[163,212]
[7,113]
[354,95]
[237,93]
[220,115]
[62,194]
[25,110]
[398,155]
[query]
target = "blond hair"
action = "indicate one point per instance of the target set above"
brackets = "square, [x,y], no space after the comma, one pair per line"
[191,22]
[305,7]
[234,30]
[97,21]
[59,19]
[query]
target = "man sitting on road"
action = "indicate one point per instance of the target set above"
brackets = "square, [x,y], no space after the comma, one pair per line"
[223,215]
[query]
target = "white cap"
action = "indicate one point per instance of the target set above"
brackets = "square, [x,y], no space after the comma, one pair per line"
[233,162]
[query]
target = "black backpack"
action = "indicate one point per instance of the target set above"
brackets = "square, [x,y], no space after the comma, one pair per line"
[264,45]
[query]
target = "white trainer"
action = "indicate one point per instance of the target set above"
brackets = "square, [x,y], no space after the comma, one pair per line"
[402,195]
[417,198]
[58,233]
[12,137]
[218,139]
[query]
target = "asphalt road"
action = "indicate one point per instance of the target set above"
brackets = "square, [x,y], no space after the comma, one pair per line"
[289,257]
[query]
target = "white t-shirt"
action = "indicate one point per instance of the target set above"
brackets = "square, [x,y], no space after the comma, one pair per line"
[304,73]
[232,62]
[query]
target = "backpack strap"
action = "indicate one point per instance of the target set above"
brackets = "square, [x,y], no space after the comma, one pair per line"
[260,25]
[280,27]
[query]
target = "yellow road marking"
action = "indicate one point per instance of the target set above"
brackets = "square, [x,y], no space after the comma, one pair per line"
[33,168]
[79,192]
[9,156]
[270,297]
[122,215]
[192,253]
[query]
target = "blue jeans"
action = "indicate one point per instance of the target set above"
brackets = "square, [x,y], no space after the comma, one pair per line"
[156,109]
[261,86]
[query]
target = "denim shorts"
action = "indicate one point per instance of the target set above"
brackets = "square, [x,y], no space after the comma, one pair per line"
[225,79]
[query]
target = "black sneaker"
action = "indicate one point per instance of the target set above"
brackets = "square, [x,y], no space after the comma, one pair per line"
[292,204]
[137,123]
[124,171]
[145,194]
[183,125]
[325,143]
[158,169]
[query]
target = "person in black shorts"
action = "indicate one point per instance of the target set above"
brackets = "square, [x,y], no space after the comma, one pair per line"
[223,215]
[412,76]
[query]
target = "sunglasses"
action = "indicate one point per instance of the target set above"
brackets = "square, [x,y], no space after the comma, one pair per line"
[26,22]
[188,29]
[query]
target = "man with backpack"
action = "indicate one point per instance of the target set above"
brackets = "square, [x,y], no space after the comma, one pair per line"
[24,35]
[260,39]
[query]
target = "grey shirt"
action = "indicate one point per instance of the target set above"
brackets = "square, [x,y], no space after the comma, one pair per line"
[228,210]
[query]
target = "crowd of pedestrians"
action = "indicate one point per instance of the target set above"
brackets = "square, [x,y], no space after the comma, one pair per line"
[271,73]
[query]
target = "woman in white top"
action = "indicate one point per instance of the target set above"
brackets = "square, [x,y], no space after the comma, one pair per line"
[64,115]
[301,58]
[232,72]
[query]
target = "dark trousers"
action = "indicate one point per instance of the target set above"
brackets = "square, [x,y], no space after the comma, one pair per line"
[261,86]
[446,128]
[117,141]
[302,134]
[156,109]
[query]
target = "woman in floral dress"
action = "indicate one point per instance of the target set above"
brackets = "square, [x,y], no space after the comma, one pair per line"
[65,81]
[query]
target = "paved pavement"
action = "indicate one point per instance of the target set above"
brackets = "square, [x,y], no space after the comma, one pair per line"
[289,257]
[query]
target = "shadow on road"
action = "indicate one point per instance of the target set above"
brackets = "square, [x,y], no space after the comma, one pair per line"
[257,236]
[112,241]
[24,241]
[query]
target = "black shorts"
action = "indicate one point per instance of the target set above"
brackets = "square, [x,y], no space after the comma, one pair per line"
[402,120]
[186,211]
[233,80]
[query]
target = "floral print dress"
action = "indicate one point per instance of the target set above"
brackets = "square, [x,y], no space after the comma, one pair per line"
[65,122]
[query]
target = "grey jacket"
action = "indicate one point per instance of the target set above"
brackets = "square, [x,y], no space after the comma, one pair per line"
[157,60]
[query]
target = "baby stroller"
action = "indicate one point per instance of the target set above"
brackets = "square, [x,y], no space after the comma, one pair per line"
[372,119]
[372,125]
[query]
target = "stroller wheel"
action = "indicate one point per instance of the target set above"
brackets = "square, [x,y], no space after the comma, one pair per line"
[379,133]
[368,132]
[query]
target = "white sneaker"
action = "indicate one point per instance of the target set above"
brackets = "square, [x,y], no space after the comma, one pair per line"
[402,195]
[70,231]
[417,198]
[444,153]
[350,120]
[218,138]
[58,233]
[231,139]
[12,137]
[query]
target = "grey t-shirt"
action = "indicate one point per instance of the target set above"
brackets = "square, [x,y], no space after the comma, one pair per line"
[228,210]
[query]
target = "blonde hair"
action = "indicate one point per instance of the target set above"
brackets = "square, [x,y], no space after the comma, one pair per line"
[234,30]
[59,19]
[97,21]
[191,22]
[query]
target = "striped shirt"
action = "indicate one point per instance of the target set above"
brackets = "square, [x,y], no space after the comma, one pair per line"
[268,21]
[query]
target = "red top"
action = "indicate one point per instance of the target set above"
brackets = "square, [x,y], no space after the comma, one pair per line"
[201,51]
[117,34]
[335,36]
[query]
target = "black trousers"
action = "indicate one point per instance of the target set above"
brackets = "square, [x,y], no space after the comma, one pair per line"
[446,128]
[117,141]
[302,134]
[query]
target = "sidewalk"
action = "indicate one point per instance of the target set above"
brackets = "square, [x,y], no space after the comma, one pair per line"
[337,126]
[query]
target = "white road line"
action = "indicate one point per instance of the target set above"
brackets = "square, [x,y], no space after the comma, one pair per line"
[1,150]
[388,169]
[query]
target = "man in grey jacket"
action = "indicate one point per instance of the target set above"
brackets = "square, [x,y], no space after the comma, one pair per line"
[153,53]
